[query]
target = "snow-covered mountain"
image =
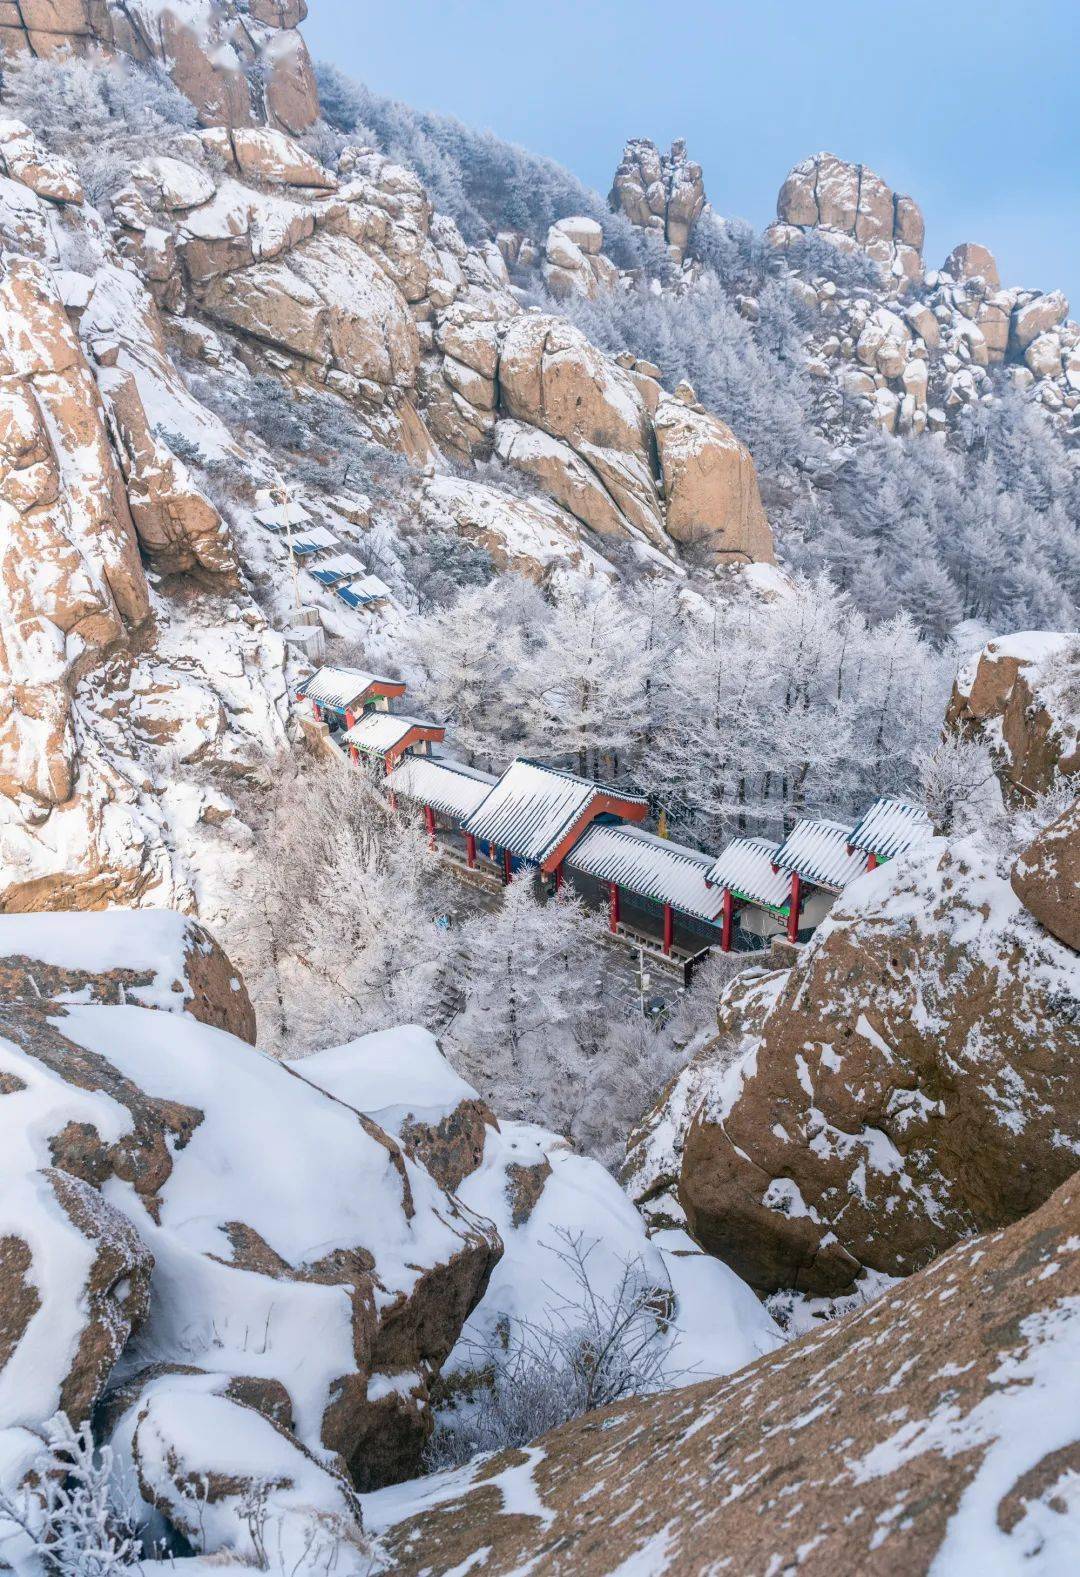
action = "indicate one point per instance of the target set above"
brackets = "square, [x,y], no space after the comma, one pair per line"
[289,373]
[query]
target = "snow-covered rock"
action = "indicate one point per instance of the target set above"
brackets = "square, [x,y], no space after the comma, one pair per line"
[335,1280]
[1019,694]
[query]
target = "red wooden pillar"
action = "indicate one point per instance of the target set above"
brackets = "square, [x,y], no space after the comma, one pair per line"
[388,763]
[354,755]
[613,906]
[350,717]
[558,877]
[470,850]
[728,915]
[508,866]
[796,902]
[669,927]
[871,862]
[429,823]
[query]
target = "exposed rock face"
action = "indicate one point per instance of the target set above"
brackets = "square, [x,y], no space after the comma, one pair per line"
[529,537]
[921,363]
[553,379]
[1021,695]
[359,1280]
[936,1425]
[710,485]
[663,192]
[909,1081]
[1047,877]
[238,64]
[849,202]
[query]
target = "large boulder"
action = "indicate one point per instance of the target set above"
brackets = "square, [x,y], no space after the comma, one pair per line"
[1046,877]
[546,1203]
[910,1080]
[232,1481]
[74,1284]
[936,1430]
[710,486]
[553,379]
[531,537]
[1021,695]
[969,260]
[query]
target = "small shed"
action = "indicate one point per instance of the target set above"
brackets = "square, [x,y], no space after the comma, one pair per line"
[338,567]
[368,592]
[314,539]
[535,814]
[747,874]
[387,736]
[341,695]
[658,877]
[888,828]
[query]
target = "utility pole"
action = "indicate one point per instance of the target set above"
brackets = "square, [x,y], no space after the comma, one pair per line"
[286,506]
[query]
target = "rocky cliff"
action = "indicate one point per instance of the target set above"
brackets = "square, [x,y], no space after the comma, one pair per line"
[935,1430]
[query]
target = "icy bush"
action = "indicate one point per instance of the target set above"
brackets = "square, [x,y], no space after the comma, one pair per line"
[594,1349]
[70,1518]
[103,113]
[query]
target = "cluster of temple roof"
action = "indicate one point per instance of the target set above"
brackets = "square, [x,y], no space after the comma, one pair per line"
[566,827]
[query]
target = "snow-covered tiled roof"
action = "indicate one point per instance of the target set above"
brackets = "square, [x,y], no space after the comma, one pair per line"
[338,687]
[274,516]
[313,539]
[650,866]
[746,869]
[889,827]
[532,808]
[378,732]
[339,566]
[447,786]
[818,852]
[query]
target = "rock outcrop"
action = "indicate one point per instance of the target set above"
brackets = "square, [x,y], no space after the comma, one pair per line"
[574,263]
[1021,695]
[936,1428]
[710,485]
[1046,877]
[852,205]
[239,64]
[662,192]
[909,1081]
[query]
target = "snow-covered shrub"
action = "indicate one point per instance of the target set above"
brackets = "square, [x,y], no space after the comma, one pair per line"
[71,1518]
[958,785]
[102,112]
[594,1349]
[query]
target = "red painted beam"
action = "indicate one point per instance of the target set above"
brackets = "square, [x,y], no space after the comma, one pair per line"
[871,862]
[728,914]
[669,927]
[796,903]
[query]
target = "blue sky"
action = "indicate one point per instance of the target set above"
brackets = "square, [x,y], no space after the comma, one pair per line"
[970,107]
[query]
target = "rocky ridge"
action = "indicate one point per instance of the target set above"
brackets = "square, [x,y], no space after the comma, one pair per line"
[935,1429]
